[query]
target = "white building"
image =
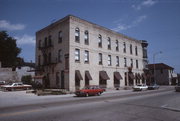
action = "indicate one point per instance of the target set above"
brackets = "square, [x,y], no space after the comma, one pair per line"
[73,52]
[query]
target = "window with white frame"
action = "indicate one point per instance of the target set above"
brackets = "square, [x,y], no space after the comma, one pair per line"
[124,47]
[77,35]
[100,41]
[131,49]
[137,65]
[60,55]
[125,62]
[100,59]
[131,62]
[109,60]
[86,37]
[117,60]
[136,50]
[117,45]
[86,56]
[77,55]
[109,43]
[60,37]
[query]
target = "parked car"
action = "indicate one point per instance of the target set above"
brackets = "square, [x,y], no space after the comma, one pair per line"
[16,86]
[2,83]
[177,88]
[140,87]
[90,90]
[153,86]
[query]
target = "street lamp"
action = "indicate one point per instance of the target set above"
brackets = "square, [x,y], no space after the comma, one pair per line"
[154,55]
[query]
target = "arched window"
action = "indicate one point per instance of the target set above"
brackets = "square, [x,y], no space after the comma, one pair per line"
[60,55]
[100,41]
[39,45]
[60,37]
[117,45]
[131,49]
[77,35]
[109,43]
[86,37]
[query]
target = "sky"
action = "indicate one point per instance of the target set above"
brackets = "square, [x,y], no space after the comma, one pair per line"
[157,21]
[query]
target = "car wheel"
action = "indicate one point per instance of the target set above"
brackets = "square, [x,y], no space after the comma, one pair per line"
[87,94]
[98,93]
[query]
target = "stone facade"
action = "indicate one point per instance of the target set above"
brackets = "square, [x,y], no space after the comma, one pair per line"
[68,55]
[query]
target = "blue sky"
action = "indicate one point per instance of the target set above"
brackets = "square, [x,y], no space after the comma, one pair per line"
[156,21]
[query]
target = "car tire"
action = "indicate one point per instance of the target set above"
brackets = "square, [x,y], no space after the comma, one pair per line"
[87,95]
[98,93]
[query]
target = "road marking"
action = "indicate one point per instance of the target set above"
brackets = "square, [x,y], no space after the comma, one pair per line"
[170,108]
[19,113]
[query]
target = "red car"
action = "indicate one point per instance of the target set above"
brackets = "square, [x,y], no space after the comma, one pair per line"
[90,90]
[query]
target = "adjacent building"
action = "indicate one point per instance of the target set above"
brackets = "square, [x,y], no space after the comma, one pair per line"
[72,53]
[15,74]
[163,74]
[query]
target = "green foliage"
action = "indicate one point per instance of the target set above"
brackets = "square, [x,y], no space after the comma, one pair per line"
[26,79]
[8,50]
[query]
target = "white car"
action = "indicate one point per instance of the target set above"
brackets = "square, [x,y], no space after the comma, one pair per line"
[140,87]
[16,86]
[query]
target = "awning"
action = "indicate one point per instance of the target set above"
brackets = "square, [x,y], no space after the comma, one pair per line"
[117,75]
[103,75]
[78,75]
[131,76]
[87,74]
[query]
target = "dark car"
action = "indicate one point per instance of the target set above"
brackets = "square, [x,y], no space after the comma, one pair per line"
[177,88]
[90,90]
[153,86]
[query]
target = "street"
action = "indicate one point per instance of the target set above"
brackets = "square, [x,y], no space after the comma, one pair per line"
[154,105]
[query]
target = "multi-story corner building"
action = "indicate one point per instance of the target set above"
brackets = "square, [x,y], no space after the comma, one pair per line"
[72,53]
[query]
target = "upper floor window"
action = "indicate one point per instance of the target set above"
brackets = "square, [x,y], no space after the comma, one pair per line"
[39,60]
[39,44]
[131,49]
[60,37]
[86,37]
[49,41]
[109,60]
[60,56]
[77,35]
[100,41]
[124,47]
[77,55]
[117,60]
[125,62]
[86,56]
[49,58]
[136,50]
[109,43]
[100,59]
[45,42]
[131,62]
[137,64]
[117,45]
[45,59]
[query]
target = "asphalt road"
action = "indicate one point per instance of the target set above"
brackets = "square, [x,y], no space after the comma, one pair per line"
[161,105]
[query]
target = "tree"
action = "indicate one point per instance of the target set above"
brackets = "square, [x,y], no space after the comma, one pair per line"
[27,79]
[8,50]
